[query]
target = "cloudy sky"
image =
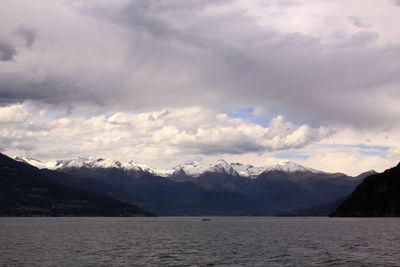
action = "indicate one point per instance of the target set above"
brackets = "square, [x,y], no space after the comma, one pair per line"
[165,82]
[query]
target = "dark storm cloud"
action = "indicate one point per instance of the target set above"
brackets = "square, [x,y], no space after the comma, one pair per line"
[27,34]
[14,89]
[7,50]
[156,54]
[8,47]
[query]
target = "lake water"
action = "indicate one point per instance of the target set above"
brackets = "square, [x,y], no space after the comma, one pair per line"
[181,241]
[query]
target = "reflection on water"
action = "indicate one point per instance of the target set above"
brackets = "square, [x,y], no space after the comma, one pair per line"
[222,241]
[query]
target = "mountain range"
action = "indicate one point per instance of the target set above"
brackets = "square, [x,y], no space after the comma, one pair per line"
[193,168]
[211,189]
[27,191]
[104,187]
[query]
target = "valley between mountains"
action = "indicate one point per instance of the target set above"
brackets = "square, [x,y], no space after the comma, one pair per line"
[192,189]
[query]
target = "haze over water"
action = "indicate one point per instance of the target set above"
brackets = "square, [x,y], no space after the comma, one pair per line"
[184,241]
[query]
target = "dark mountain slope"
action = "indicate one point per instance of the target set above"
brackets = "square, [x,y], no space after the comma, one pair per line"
[319,210]
[338,184]
[91,185]
[278,191]
[25,192]
[223,182]
[325,187]
[377,196]
[221,193]
[187,198]
[171,198]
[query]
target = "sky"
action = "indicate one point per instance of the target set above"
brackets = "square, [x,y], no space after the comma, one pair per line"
[166,82]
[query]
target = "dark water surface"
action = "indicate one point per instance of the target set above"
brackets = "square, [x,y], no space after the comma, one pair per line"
[180,241]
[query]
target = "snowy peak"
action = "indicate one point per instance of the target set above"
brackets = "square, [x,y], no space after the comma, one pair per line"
[104,163]
[137,166]
[221,166]
[289,166]
[90,162]
[189,168]
[27,160]
[193,169]
[37,163]
[196,169]
[247,170]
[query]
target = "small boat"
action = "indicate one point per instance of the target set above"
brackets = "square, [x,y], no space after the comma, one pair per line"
[205,220]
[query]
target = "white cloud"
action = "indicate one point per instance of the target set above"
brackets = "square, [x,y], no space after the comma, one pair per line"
[13,113]
[328,20]
[353,151]
[174,133]
[351,163]
[394,152]
[168,137]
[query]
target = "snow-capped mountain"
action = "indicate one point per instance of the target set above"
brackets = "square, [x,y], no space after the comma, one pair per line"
[289,166]
[195,169]
[192,169]
[90,162]
[247,170]
[37,163]
[137,166]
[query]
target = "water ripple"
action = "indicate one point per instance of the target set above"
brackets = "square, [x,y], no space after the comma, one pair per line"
[222,241]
